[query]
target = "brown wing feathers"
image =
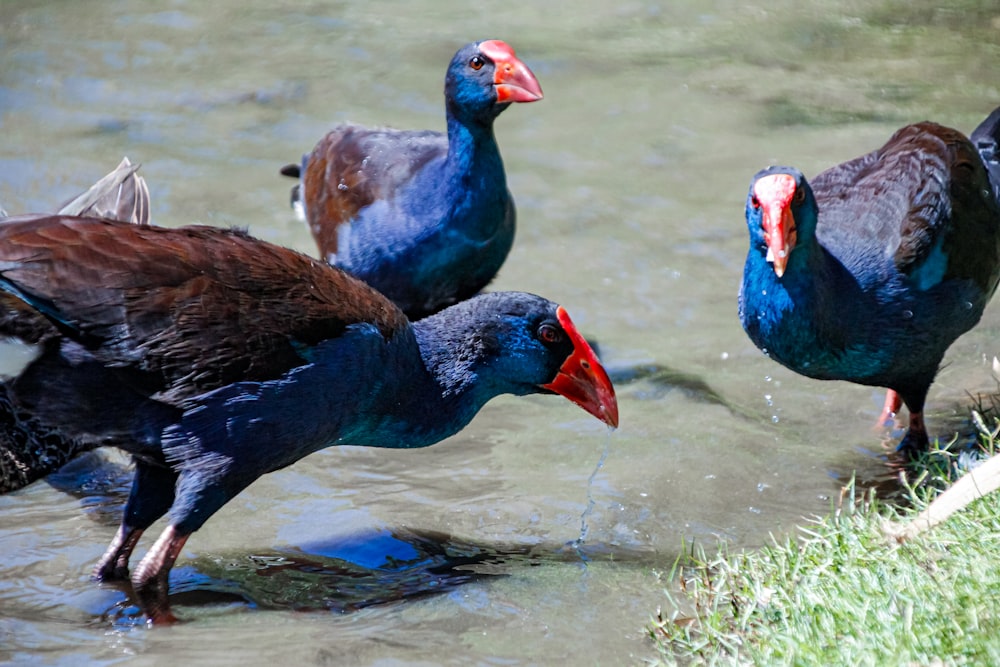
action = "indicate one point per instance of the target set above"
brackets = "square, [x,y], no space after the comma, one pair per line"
[201,306]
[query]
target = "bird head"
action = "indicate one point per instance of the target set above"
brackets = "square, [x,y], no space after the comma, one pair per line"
[514,343]
[485,77]
[780,209]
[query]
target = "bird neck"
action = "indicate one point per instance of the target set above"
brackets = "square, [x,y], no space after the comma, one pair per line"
[789,317]
[807,276]
[453,360]
[474,179]
[412,401]
[473,152]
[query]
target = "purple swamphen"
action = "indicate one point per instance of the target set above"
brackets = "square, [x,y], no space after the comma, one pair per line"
[217,358]
[870,272]
[426,218]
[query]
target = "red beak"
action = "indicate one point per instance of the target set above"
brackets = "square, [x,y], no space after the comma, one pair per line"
[582,379]
[774,192]
[513,81]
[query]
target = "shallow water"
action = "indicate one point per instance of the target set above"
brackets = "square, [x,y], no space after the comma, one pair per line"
[629,177]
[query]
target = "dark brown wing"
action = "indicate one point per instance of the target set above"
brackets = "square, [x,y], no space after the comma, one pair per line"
[199,307]
[926,184]
[353,166]
[972,228]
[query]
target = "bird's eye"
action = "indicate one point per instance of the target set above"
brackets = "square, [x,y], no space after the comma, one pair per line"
[754,201]
[549,333]
[477,62]
[799,196]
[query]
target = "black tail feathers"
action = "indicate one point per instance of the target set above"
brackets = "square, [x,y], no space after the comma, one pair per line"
[986,138]
[29,450]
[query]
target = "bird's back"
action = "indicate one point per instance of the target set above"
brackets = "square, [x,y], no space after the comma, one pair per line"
[353,167]
[196,307]
[918,206]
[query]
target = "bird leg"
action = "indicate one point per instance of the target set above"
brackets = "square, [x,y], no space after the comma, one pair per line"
[113,565]
[150,579]
[151,496]
[893,402]
[916,440]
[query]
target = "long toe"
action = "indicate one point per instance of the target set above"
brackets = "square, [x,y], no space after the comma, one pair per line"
[151,595]
[150,581]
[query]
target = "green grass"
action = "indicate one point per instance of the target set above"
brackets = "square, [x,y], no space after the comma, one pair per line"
[842,593]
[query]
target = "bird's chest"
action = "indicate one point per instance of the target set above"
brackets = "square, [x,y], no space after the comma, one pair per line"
[821,333]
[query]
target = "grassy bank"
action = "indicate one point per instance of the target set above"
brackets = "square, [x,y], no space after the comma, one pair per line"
[843,592]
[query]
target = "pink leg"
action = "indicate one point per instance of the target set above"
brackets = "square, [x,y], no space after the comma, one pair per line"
[150,579]
[113,565]
[893,402]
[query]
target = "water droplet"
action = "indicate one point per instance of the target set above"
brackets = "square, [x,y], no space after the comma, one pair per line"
[724,355]
[767,378]
[968,305]
[763,292]
[907,314]
[342,186]
[774,419]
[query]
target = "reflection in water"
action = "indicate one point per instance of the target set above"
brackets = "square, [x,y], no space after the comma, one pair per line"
[354,572]
[358,571]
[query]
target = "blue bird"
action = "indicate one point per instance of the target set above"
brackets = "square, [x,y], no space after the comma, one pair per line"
[215,358]
[425,218]
[870,272]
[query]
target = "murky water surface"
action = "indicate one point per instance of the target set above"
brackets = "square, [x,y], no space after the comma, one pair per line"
[630,179]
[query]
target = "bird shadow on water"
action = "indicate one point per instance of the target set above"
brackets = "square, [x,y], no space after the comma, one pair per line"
[661,379]
[346,574]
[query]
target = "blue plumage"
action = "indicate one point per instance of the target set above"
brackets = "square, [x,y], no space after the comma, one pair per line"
[870,273]
[214,358]
[426,218]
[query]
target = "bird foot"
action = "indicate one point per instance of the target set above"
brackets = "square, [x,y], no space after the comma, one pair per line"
[152,598]
[150,581]
[913,444]
[110,572]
